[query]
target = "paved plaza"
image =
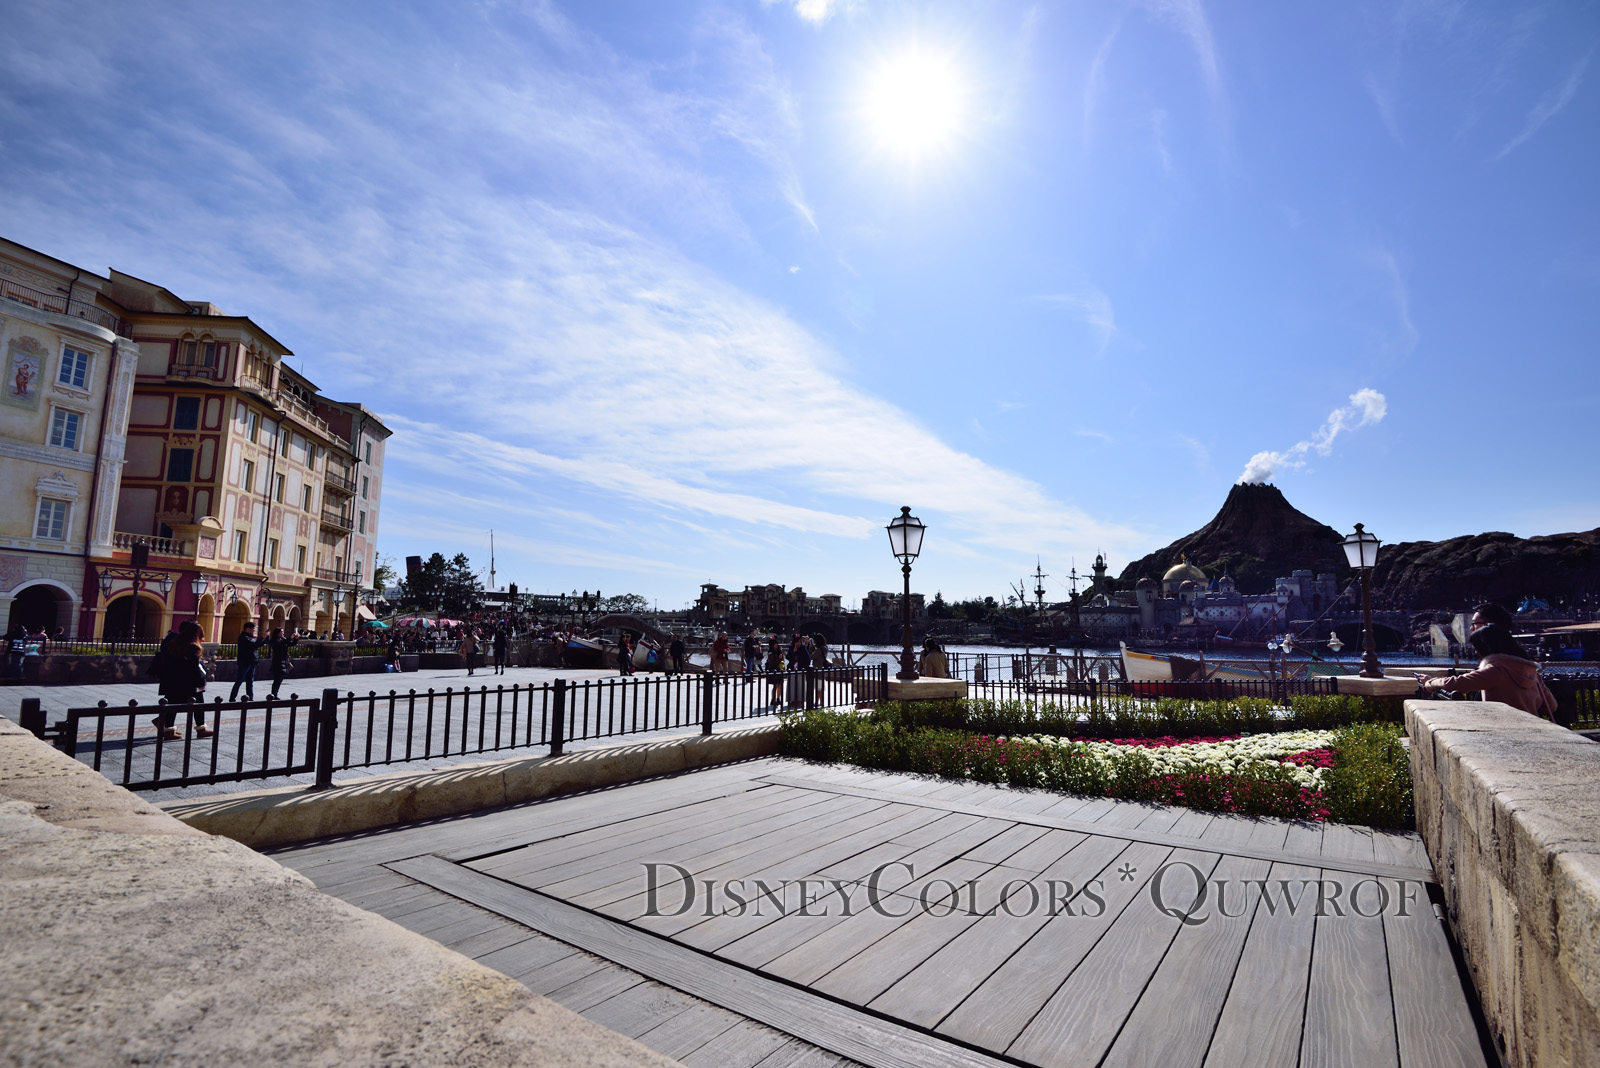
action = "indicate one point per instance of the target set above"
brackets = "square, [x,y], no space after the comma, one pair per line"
[840,915]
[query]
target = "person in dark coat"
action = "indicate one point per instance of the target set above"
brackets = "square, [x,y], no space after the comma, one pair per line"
[500,644]
[248,643]
[279,645]
[676,651]
[183,680]
[625,656]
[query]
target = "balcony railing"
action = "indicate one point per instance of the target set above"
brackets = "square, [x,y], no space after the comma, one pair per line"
[330,574]
[340,484]
[58,303]
[194,370]
[338,520]
[158,546]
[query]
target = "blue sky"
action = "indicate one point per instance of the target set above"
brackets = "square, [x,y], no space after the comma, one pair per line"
[668,293]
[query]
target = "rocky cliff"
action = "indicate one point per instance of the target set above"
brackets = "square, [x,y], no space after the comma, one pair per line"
[1257,536]
[1487,567]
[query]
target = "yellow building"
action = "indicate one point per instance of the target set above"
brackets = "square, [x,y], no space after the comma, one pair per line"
[63,412]
[235,498]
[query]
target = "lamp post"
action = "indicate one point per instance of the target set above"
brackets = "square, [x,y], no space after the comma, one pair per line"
[1361,549]
[136,575]
[905,541]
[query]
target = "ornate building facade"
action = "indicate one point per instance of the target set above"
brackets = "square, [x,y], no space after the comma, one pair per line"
[239,491]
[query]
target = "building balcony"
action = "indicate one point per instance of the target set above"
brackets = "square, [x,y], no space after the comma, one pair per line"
[336,520]
[58,303]
[339,484]
[190,371]
[344,578]
[124,542]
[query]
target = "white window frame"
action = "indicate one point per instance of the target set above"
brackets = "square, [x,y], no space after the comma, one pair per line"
[300,559]
[84,360]
[241,546]
[57,412]
[247,475]
[272,552]
[64,512]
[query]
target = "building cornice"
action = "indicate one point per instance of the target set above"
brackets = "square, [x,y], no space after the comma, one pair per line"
[12,449]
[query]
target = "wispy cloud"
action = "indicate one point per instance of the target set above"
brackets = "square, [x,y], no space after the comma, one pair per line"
[1158,127]
[1090,306]
[1383,99]
[1366,406]
[813,11]
[1549,105]
[1189,18]
[1098,435]
[1402,339]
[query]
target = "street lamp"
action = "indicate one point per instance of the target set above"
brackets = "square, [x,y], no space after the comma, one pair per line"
[905,541]
[338,600]
[198,585]
[1361,549]
[136,575]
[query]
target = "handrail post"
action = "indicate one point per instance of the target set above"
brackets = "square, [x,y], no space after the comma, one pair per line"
[811,687]
[32,717]
[558,718]
[327,721]
[708,698]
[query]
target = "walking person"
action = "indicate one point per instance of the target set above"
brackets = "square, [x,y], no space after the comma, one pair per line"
[246,659]
[677,652]
[625,655]
[501,644]
[278,645]
[719,654]
[468,649]
[183,681]
[799,660]
[752,654]
[774,668]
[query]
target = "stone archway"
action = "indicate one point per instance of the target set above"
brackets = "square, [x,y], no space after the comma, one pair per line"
[206,615]
[234,618]
[42,605]
[126,620]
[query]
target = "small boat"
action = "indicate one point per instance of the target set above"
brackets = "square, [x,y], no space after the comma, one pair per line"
[1138,666]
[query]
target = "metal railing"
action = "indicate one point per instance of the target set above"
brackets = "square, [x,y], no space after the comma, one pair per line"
[331,574]
[58,303]
[332,518]
[263,739]
[250,740]
[339,484]
[1084,693]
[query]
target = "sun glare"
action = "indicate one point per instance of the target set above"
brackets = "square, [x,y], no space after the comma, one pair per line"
[915,103]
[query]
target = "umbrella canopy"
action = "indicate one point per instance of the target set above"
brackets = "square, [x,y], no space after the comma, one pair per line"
[379,624]
[443,622]
[416,621]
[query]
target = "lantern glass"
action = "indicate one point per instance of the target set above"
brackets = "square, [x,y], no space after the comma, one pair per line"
[905,535]
[164,584]
[1361,549]
[1334,643]
[106,582]
[338,595]
[198,584]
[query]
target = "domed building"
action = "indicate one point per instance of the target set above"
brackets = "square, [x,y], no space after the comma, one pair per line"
[1179,573]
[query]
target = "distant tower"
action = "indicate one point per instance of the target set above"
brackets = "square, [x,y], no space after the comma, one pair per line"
[1099,573]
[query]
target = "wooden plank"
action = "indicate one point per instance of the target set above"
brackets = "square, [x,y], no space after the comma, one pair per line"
[637,1009]
[1175,1016]
[743,1045]
[797,1054]
[477,945]
[860,1036]
[1349,1009]
[998,1010]
[580,995]
[529,956]
[1367,866]
[1433,1021]
[1341,841]
[689,1030]
[1261,1019]
[1077,1026]
[944,980]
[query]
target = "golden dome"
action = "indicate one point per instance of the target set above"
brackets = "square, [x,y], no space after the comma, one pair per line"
[1181,572]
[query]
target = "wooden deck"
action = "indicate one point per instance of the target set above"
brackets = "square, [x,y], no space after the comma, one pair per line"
[908,921]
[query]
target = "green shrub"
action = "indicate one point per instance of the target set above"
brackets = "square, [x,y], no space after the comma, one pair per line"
[1370,781]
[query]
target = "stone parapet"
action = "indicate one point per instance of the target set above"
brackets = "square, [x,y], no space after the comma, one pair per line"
[266,818]
[130,938]
[1509,807]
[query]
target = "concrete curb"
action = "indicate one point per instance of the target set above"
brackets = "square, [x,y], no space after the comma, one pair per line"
[265,818]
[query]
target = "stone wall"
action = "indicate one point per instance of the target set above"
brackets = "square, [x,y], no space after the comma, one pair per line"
[1509,806]
[130,938]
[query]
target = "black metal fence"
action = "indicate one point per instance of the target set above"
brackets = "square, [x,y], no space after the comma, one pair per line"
[263,739]
[1067,693]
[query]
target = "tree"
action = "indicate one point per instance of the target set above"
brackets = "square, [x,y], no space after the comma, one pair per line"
[384,574]
[451,586]
[974,610]
[625,603]
[938,609]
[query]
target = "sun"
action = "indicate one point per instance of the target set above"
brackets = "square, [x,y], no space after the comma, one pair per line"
[916,103]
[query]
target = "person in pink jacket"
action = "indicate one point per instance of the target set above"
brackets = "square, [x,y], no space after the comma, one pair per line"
[1504,674]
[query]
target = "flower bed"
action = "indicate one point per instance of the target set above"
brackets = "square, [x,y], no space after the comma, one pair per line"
[1355,774]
